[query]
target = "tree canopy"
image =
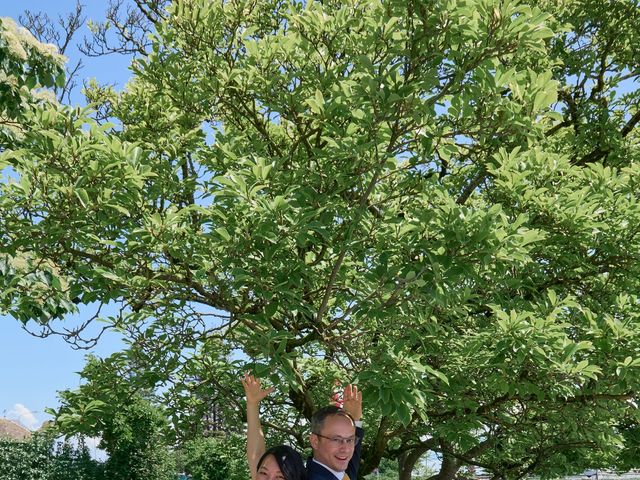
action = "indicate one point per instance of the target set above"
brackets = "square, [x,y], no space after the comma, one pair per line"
[438,200]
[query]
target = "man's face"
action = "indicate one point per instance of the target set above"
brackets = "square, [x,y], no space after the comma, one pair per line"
[334,454]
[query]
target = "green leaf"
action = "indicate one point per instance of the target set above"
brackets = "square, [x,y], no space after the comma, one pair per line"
[404,414]
[222,232]
[82,195]
[60,80]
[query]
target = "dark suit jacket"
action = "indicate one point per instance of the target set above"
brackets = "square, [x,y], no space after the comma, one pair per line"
[315,471]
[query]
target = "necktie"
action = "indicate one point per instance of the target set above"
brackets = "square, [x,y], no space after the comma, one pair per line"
[346,477]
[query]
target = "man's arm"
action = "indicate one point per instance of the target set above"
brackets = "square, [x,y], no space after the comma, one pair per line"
[354,463]
[352,404]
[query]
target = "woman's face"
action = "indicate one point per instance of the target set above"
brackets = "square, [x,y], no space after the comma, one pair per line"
[269,469]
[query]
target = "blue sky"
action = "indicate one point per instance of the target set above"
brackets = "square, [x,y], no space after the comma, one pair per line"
[32,369]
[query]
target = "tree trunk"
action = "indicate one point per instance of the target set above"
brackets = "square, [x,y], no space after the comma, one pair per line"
[407,460]
[371,457]
[448,468]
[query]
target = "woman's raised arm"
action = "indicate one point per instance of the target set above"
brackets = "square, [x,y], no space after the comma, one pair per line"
[255,438]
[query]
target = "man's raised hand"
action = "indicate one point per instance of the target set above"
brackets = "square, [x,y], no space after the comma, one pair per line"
[352,401]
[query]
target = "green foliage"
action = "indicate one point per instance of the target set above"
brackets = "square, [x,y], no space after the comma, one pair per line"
[211,458]
[436,199]
[133,439]
[132,430]
[387,470]
[25,65]
[41,458]
[629,454]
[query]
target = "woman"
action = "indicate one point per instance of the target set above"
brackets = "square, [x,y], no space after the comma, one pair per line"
[278,463]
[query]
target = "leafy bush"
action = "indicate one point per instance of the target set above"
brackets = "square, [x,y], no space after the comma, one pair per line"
[214,458]
[42,458]
[134,440]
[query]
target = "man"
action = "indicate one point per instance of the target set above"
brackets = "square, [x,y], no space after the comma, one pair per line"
[336,439]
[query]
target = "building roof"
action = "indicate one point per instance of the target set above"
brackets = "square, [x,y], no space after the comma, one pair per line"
[13,431]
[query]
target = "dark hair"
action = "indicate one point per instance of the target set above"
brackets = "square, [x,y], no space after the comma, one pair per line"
[318,418]
[289,461]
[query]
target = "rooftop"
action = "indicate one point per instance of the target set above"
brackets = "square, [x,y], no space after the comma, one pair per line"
[13,431]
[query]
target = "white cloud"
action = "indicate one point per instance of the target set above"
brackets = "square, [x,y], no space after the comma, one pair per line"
[23,415]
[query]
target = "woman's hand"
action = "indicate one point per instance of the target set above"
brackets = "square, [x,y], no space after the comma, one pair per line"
[253,389]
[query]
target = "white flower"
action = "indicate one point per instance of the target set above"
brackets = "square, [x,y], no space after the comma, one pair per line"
[20,41]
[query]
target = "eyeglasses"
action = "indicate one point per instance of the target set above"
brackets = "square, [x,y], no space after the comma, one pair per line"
[338,441]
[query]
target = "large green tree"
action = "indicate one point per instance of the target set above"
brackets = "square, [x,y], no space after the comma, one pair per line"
[436,199]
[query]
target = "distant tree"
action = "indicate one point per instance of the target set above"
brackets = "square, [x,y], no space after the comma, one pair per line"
[211,458]
[133,431]
[75,462]
[43,458]
[134,442]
